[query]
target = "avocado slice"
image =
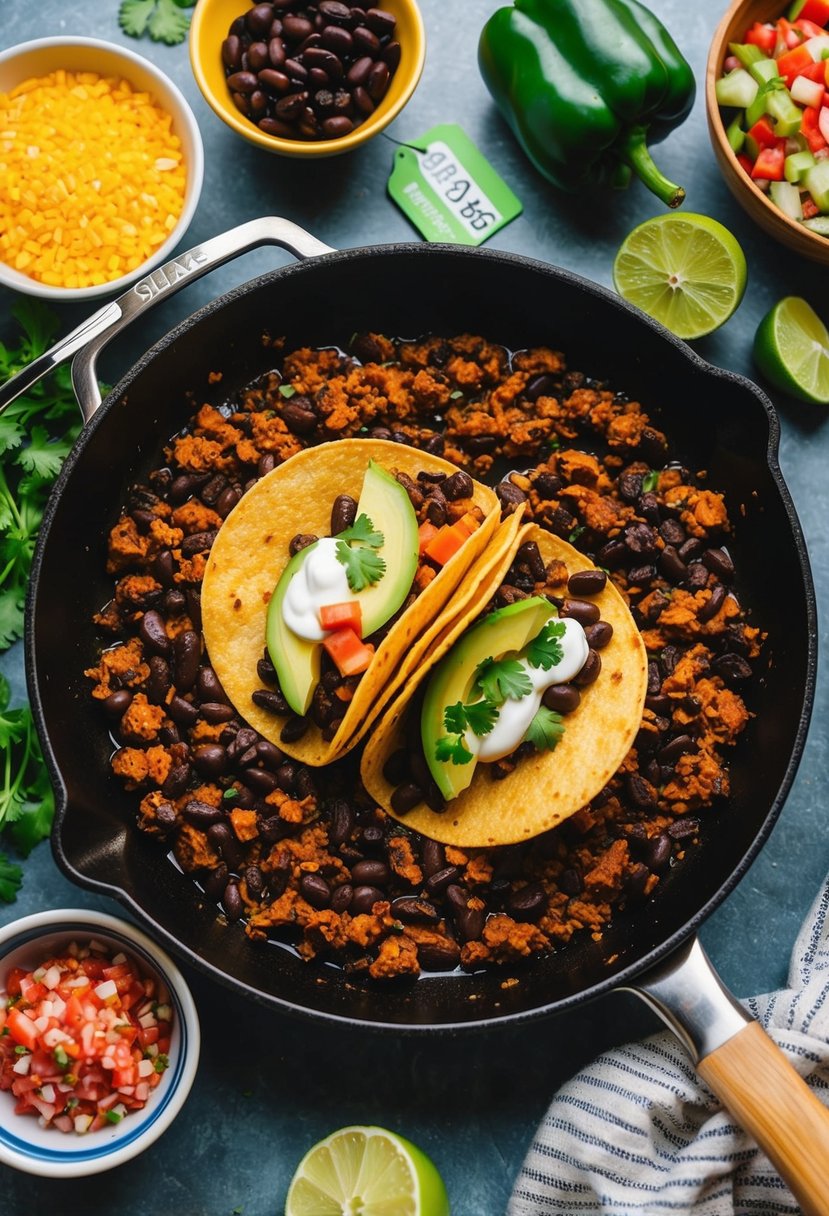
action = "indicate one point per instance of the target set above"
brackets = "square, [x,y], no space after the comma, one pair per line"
[297,660]
[508,630]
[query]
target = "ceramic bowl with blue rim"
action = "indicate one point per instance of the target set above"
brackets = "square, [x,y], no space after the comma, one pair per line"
[24,1143]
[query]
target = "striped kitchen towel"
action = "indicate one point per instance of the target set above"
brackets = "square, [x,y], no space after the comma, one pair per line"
[638,1134]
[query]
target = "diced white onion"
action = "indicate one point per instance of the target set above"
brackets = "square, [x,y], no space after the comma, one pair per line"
[145,1068]
[82,1123]
[817,45]
[118,959]
[52,977]
[22,1066]
[823,123]
[47,1093]
[106,990]
[807,92]
[149,1019]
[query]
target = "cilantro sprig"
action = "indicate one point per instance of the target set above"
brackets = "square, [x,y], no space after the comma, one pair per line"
[363,567]
[545,730]
[26,799]
[163,20]
[545,650]
[498,679]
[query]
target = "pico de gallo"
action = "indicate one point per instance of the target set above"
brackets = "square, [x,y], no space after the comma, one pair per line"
[84,1038]
[777,80]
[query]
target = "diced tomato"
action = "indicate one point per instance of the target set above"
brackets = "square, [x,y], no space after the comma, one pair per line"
[470,522]
[348,652]
[343,616]
[792,63]
[65,1043]
[763,134]
[787,34]
[13,979]
[764,36]
[809,29]
[426,533]
[810,128]
[744,162]
[815,10]
[448,541]
[769,165]
[22,1029]
[809,208]
[816,72]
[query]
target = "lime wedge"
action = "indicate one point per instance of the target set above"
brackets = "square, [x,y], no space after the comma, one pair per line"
[791,349]
[686,271]
[366,1171]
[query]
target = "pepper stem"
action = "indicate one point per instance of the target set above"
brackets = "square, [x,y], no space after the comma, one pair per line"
[634,152]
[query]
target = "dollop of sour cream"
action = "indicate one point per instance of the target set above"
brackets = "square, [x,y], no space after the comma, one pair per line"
[321,580]
[516,714]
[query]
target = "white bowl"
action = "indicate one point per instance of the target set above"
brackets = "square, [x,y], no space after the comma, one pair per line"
[44,55]
[46,1151]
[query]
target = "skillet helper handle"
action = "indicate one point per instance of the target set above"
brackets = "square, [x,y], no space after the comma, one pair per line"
[746,1070]
[87,341]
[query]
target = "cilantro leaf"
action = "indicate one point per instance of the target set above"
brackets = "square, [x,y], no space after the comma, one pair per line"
[168,23]
[43,455]
[499,679]
[363,567]
[452,747]
[38,323]
[364,531]
[35,815]
[11,618]
[545,730]
[11,876]
[545,650]
[287,390]
[650,481]
[478,716]
[134,15]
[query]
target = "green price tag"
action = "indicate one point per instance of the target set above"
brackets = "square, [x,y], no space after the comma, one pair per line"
[450,191]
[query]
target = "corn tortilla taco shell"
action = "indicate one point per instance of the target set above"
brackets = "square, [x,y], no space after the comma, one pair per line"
[251,551]
[546,787]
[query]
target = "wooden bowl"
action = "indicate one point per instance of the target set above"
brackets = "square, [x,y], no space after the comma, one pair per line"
[741,15]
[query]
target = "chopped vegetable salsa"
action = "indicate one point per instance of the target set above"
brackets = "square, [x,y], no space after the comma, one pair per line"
[776,83]
[84,1038]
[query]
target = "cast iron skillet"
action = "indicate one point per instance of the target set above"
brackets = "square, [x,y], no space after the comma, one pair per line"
[715,420]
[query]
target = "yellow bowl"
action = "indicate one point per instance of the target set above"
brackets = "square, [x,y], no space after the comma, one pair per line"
[741,15]
[209,28]
[45,55]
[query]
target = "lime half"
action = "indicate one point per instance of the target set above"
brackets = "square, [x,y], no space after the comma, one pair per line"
[686,271]
[791,349]
[366,1171]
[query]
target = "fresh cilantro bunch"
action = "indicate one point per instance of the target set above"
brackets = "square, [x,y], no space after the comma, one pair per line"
[36,432]
[26,799]
[497,680]
[163,20]
[363,566]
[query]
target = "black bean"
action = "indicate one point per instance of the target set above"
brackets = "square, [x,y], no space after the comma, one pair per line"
[225,842]
[441,879]
[629,486]
[232,901]
[371,873]
[208,685]
[442,955]
[681,829]
[215,882]
[254,881]
[719,562]
[414,910]
[583,611]
[337,39]
[232,52]
[153,633]
[301,541]
[561,698]
[202,814]
[672,532]
[372,837]
[587,582]
[659,704]
[612,554]
[713,605]
[364,899]
[341,823]
[117,703]
[590,671]
[470,923]
[510,495]
[177,781]
[381,22]
[183,713]
[570,882]
[456,896]
[294,728]
[658,853]
[215,712]
[526,903]
[672,566]
[163,567]
[697,577]
[678,746]
[406,797]
[732,668]
[341,897]
[258,19]
[304,783]
[333,10]
[547,485]
[433,857]
[242,82]
[314,889]
[457,485]
[210,759]
[690,550]
[391,55]
[599,634]
[272,829]
[640,539]
[636,881]
[640,792]
[260,780]
[186,657]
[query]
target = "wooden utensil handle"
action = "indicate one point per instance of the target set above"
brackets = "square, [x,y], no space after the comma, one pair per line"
[767,1097]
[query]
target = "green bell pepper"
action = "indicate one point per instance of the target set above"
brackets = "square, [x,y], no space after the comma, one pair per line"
[583,84]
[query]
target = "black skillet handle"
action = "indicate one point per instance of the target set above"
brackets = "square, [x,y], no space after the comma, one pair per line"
[87,341]
[746,1070]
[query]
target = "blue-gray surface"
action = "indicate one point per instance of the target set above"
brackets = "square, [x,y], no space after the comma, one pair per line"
[268,1087]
